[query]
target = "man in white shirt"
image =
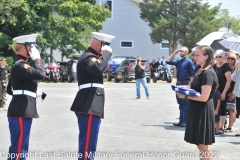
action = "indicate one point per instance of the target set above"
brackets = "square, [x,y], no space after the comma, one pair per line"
[163,61]
[74,70]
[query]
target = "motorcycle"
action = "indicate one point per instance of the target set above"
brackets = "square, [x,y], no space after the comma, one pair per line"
[53,72]
[164,73]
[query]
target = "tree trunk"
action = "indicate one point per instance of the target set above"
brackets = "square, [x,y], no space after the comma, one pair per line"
[170,46]
[51,55]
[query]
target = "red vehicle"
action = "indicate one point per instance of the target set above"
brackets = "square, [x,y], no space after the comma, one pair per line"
[53,72]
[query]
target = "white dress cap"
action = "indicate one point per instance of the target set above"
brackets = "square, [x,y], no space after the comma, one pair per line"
[103,37]
[31,38]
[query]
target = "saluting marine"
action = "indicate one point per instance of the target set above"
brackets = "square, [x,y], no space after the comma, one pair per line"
[89,101]
[23,88]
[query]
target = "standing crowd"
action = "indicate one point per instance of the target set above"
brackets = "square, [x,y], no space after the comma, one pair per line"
[216,76]
[154,64]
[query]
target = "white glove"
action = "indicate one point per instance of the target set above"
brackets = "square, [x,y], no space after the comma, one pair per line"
[34,54]
[106,48]
[39,93]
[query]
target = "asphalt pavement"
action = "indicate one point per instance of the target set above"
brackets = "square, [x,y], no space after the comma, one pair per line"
[132,129]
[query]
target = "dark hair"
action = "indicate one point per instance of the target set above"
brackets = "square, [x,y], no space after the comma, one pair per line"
[209,62]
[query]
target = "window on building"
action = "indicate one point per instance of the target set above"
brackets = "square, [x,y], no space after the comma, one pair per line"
[109,5]
[165,45]
[126,44]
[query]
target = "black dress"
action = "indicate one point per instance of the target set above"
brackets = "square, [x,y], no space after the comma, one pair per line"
[200,128]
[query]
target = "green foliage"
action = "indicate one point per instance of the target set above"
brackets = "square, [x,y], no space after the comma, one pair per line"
[76,20]
[203,22]
[190,55]
[9,62]
[178,21]
[60,23]
[225,18]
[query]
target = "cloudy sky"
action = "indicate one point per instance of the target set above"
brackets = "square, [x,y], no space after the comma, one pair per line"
[232,5]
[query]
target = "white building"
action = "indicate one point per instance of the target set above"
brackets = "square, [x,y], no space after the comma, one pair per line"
[132,33]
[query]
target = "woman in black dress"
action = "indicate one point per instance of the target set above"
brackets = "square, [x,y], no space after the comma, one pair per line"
[223,72]
[200,127]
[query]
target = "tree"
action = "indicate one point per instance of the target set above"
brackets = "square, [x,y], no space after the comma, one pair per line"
[225,18]
[73,21]
[61,23]
[203,22]
[16,17]
[175,20]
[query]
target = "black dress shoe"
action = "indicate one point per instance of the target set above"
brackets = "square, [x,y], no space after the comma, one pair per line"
[176,124]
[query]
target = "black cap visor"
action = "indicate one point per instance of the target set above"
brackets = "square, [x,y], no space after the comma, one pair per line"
[29,44]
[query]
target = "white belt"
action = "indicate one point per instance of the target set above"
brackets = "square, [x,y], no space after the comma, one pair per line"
[25,92]
[89,85]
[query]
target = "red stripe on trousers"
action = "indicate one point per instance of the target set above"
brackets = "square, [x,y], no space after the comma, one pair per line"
[88,135]
[20,138]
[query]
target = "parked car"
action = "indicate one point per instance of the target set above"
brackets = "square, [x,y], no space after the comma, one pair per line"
[69,64]
[125,72]
[113,64]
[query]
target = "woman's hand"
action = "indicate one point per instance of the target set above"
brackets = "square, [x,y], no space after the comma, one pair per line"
[223,95]
[180,95]
[231,97]
[216,112]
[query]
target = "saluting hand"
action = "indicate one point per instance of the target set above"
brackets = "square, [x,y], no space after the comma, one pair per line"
[106,48]
[176,51]
[34,54]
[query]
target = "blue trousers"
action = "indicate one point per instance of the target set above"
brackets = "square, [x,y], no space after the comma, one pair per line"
[88,127]
[144,83]
[183,106]
[20,133]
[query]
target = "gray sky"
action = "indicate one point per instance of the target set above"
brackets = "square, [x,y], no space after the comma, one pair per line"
[233,6]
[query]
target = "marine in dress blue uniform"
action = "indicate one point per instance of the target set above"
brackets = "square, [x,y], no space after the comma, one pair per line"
[88,104]
[23,88]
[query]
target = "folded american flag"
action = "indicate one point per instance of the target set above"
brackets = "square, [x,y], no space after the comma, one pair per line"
[185,91]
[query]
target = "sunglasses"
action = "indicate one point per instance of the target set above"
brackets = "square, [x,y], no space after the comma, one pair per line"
[218,57]
[231,58]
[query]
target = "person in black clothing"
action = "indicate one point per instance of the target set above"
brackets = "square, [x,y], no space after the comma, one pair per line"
[140,77]
[153,67]
[223,72]
[23,88]
[217,103]
[157,63]
[200,127]
[230,98]
[88,104]
[4,71]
